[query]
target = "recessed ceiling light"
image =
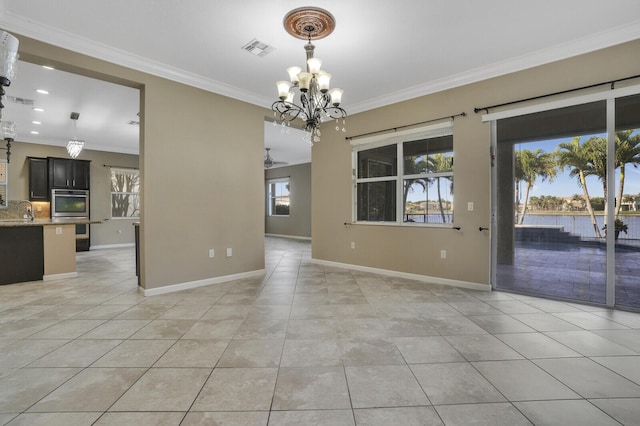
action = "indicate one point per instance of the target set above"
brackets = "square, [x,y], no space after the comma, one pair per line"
[36,122]
[33,132]
[38,109]
[42,91]
[47,67]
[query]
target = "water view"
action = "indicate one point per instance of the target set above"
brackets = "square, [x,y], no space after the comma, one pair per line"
[581,225]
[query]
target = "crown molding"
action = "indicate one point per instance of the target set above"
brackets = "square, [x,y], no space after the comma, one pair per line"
[66,40]
[591,43]
[63,39]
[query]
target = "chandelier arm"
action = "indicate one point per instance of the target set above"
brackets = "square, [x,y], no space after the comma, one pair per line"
[335,112]
[287,110]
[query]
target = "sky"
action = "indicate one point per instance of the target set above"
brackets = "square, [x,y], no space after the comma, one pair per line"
[564,186]
[561,186]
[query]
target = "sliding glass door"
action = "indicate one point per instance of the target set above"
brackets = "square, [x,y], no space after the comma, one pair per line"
[627,209]
[558,174]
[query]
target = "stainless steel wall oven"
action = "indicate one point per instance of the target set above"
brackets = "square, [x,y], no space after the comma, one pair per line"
[72,204]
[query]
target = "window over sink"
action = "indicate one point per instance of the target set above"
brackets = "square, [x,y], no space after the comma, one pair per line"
[125,193]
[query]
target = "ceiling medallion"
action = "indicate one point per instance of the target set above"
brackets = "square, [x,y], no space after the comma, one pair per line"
[309,23]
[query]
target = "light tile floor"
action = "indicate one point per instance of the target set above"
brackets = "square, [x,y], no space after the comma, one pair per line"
[307,345]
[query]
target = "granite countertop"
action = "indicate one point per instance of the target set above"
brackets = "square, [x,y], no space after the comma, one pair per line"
[7,223]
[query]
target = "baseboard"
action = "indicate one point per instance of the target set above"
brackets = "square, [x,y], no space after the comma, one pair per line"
[199,283]
[293,237]
[112,246]
[64,276]
[422,278]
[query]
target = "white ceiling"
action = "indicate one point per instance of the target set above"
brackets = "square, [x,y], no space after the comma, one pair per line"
[380,53]
[105,110]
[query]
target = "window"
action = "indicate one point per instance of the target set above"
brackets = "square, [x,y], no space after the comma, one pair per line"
[278,197]
[405,178]
[125,193]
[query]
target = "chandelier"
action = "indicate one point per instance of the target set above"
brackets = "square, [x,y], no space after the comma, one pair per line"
[317,103]
[75,145]
[8,58]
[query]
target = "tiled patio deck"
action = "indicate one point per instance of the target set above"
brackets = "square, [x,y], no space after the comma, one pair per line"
[573,272]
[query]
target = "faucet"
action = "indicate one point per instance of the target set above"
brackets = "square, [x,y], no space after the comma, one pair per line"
[29,212]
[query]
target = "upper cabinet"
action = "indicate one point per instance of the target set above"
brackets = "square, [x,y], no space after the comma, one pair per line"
[65,173]
[38,179]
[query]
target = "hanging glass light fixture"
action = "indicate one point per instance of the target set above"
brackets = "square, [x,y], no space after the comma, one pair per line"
[317,102]
[8,133]
[8,58]
[75,145]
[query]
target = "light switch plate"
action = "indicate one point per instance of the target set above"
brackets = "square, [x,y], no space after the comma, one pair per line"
[229,251]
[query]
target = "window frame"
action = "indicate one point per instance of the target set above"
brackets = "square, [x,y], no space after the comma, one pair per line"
[113,170]
[398,139]
[270,197]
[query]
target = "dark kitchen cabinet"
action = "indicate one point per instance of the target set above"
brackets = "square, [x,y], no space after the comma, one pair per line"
[22,254]
[38,179]
[69,174]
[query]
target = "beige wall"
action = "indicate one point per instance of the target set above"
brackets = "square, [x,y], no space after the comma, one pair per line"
[202,176]
[59,249]
[298,223]
[105,233]
[194,145]
[417,250]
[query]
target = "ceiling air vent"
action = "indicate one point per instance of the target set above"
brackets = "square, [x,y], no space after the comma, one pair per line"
[20,101]
[258,48]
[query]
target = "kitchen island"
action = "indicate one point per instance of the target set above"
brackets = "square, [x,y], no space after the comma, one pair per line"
[40,249]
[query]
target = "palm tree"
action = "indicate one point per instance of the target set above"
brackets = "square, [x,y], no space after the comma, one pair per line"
[535,202]
[414,165]
[440,163]
[418,164]
[529,165]
[572,155]
[627,152]
[595,149]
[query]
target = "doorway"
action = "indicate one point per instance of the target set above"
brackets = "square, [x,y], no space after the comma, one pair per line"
[559,170]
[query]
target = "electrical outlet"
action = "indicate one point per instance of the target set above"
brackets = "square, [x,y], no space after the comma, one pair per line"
[443,254]
[211,253]
[58,230]
[353,244]
[229,252]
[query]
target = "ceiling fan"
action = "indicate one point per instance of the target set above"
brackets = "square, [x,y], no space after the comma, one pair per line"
[268,160]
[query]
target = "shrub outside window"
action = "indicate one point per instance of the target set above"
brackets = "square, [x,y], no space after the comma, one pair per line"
[405,178]
[125,193]
[278,197]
